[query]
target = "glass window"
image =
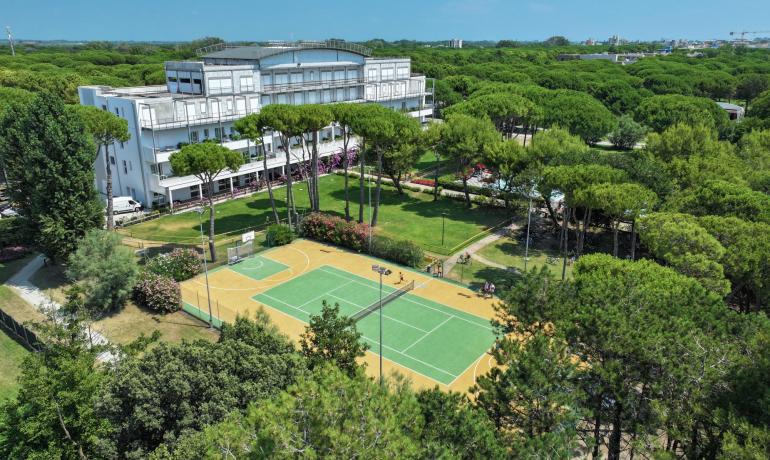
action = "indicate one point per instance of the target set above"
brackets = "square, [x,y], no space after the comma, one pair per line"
[387,73]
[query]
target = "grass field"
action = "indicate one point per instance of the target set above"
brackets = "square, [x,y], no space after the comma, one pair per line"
[413,216]
[11,353]
[127,324]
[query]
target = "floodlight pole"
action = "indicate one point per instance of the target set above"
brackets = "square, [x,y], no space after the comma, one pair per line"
[529,224]
[381,271]
[205,266]
[443,226]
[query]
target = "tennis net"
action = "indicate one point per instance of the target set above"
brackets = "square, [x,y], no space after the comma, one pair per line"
[388,298]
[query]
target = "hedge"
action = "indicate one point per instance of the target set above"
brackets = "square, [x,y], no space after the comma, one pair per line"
[338,231]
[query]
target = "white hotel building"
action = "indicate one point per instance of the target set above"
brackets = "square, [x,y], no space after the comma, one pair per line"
[201,99]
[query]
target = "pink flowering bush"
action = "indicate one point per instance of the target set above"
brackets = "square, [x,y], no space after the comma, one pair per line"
[335,230]
[179,264]
[13,252]
[158,293]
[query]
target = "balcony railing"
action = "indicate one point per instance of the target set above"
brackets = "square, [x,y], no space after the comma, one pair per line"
[330,44]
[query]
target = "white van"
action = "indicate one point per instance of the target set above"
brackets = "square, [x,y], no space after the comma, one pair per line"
[125,204]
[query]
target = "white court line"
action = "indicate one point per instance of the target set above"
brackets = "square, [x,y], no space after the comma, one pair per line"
[427,334]
[415,359]
[408,299]
[475,361]
[384,315]
[322,295]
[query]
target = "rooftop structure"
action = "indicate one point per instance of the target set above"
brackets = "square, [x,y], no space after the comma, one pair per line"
[202,98]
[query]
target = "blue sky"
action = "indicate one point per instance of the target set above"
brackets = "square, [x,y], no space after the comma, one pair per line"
[170,20]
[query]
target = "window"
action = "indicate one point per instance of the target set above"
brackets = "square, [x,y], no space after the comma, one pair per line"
[195,192]
[312,75]
[203,108]
[402,72]
[296,77]
[172,79]
[206,133]
[112,160]
[217,133]
[220,85]
[326,75]
[197,81]
[281,78]
[194,137]
[352,74]
[339,74]
[247,83]
[125,167]
[184,80]
[371,74]
[387,73]
[229,105]
[130,166]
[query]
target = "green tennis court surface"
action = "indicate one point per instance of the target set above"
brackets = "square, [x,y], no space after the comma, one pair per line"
[258,267]
[430,338]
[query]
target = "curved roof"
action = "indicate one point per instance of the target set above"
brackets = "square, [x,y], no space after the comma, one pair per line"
[253,52]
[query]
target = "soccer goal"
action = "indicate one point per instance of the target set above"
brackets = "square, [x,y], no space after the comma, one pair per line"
[240,252]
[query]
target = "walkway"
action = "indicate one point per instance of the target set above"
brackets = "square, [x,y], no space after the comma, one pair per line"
[21,283]
[450,263]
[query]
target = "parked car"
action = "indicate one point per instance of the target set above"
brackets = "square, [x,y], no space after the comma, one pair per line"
[122,204]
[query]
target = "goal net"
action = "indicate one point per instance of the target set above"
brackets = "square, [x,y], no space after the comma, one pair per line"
[240,252]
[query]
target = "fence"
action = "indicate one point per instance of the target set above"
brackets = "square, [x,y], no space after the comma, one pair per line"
[26,337]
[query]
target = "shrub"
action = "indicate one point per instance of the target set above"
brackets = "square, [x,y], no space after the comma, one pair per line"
[403,252]
[13,232]
[279,234]
[335,230]
[12,253]
[158,293]
[179,264]
[428,182]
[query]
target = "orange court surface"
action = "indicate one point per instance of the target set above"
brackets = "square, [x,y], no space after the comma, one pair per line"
[437,334]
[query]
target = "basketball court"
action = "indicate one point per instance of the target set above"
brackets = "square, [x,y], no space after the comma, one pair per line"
[434,331]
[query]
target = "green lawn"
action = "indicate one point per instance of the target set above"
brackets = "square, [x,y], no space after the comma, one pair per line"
[11,353]
[413,216]
[510,252]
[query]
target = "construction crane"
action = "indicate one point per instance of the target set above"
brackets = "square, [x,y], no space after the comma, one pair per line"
[746,32]
[10,39]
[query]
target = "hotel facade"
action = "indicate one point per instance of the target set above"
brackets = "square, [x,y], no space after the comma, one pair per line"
[203,98]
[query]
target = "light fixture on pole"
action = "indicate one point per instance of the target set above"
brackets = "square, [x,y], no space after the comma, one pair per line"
[443,226]
[200,212]
[529,223]
[381,271]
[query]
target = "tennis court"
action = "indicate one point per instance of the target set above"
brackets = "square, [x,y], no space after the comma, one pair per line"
[434,340]
[436,334]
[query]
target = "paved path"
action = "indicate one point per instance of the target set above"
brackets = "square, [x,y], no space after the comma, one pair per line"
[22,284]
[450,263]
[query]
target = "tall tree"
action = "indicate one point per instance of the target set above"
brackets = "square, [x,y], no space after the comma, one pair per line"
[312,119]
[50,160]
[55,413]
[344,115]
[285,119]
[329,337]
[464,140]
[106,129]
[624,201]
[206,161]
[254,127]
[106,269]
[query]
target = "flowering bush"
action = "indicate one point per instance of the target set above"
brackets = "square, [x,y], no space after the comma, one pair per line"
[13,252]
[158,293]
[428,182]
[179,264]
[335,230]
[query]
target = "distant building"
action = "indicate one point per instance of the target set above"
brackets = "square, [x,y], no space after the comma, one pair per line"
[736,112]
[456,43]
[624,58]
